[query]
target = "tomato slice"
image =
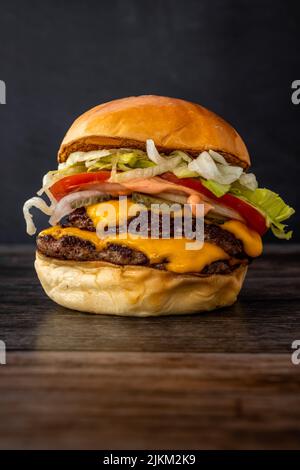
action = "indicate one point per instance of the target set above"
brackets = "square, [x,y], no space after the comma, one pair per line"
[253,217]
[72,183]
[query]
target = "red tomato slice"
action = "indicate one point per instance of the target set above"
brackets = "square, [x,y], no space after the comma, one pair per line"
[253,217]
[72,183]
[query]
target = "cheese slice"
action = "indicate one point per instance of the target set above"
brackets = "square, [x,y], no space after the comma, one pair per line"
[180,259]
[113,213]
[251,240]
[101,212]
[173,252]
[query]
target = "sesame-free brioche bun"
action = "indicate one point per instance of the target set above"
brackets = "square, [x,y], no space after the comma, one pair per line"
[172,123]
[105,288]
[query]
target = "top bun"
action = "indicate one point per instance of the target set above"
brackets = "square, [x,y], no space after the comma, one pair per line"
[173,124]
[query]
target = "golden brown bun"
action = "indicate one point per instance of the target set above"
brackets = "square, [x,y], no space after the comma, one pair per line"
[172,123]
[100,287]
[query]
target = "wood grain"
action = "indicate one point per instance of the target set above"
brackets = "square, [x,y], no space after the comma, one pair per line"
[162,400]
[219,380]
[266,317]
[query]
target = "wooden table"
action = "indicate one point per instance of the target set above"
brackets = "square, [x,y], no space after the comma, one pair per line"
[218,380]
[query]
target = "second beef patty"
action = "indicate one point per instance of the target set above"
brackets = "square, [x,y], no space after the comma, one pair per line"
[77,249]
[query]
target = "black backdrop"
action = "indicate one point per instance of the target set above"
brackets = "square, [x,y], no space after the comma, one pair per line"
[59,58]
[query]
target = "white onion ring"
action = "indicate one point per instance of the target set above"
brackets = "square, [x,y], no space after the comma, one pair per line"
[64,206]
[40,204]
[219,209]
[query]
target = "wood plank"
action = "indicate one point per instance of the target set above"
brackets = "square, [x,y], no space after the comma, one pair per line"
[217,380]
[245,327]
[165,400]
[265,319]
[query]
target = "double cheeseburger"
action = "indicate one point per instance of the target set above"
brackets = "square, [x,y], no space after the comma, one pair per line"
[150,149]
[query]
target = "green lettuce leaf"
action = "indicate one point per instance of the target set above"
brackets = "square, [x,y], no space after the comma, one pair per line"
[125,161]
[70,170]
[267,202]
[217,189]
[182,171]
[270,204]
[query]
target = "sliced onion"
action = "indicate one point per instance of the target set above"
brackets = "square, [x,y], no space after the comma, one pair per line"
[48,179]
[225,211]
[65,205]
[39,204]
[173,197]
[110,188]
[50,196]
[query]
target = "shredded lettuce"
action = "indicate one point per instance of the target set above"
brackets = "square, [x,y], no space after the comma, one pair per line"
[211,168]
[70,170]
[218,157]
[153,154]
[137,173]
[126,159]
[179,153]
[270,204]
[82,157]
[248,180]
[182,171]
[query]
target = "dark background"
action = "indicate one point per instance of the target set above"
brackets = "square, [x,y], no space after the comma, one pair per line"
[59,58]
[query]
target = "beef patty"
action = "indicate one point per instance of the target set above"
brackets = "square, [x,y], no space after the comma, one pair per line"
[77,249]
[213,233]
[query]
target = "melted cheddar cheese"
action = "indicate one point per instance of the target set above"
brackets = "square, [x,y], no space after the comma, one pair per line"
[173,251]
[113,212]
[251,240]
[180,260]
[101,213]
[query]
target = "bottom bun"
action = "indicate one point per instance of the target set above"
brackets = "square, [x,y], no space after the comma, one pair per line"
[100,287]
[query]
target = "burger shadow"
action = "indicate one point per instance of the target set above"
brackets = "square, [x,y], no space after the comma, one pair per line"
[69,330]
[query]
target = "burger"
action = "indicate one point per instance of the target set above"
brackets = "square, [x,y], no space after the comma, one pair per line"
[150,150]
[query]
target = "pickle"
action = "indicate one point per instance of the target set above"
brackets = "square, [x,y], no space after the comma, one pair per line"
[88,201]
[214,218]
[148,200]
